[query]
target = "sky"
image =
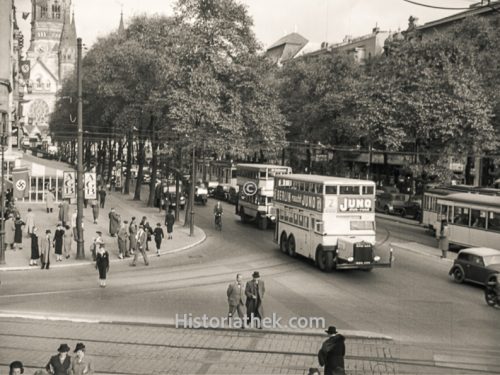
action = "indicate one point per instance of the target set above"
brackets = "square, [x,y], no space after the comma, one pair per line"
[316,20]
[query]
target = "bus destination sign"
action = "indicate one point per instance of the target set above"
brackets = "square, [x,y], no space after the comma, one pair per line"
[355,204]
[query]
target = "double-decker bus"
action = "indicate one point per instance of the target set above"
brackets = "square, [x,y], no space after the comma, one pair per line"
[473,219]
[328,219]
[430,209]
[255,192]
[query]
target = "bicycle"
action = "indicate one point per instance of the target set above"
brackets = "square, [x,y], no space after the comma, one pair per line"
[218,222]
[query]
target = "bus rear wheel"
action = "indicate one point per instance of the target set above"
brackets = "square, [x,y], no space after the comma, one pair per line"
[284,243]
[291,246]
[324,260]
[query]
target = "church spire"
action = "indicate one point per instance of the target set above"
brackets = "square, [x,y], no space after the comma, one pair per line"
[73,27]
[66,31]
[121,27]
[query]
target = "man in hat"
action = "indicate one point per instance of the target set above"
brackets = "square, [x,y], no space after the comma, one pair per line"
[332,352]
[60,364]
[235,295]
[141,246]
[254,291]
[123,240]
[16,368]
[81,364]
[114,222]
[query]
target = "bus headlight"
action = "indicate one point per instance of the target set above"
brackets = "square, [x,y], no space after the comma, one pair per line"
[376,258]
[350,259]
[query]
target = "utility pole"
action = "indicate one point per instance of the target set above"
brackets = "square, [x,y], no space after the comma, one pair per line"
[80,251]
[191,195]
[5,90]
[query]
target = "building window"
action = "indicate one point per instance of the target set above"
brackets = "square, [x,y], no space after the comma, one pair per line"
[38,82]
[56,10]
[47,85]
[43,11]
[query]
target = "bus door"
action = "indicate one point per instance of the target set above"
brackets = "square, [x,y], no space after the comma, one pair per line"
[276,227]
[309,235]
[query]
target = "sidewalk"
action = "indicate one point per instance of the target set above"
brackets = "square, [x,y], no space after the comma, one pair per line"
[120,348]
[125,206]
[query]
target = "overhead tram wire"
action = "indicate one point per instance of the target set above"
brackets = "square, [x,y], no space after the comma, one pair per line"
[433,6]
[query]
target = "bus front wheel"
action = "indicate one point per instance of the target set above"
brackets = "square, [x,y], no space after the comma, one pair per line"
[291,246]
[262,222]
[284,243]
[242,215]
[324,260]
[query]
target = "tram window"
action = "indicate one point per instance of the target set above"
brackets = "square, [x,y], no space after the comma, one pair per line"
[478,219]
[331,190]
[461,216]
[367,190]
[349,190]
[494,221]
[263,174]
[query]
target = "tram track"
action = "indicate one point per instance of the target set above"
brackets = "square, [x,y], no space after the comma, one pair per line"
[157,350]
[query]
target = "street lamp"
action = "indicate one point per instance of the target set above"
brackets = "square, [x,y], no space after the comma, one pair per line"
[80,250]
[3,138]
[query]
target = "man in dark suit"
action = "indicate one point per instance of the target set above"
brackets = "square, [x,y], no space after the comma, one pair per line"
[254,291]
[332,352]
[235,296]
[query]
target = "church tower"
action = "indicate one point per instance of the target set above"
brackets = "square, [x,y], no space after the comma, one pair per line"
[52,57]
[67,48]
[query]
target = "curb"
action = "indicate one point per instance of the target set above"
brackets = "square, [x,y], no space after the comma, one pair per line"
[83,263]
[401,246]
[354,334]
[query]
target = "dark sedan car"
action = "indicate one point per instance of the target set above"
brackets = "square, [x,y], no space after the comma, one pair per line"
[477,264]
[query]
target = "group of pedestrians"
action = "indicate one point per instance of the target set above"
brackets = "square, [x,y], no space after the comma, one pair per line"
[253,291]
[61,363]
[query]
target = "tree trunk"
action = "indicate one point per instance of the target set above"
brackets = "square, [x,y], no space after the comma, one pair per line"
[154,162]
[140,162]
[110,159]
[120,150]
[129,163]
[88,153]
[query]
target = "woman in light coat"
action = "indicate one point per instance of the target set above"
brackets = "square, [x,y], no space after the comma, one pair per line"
[49,201]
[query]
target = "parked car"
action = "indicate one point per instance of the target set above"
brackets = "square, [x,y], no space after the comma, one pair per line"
[233,195]
[390,201]
[476,264]
[201,194]
[211,185]
[221,192]
[173,201]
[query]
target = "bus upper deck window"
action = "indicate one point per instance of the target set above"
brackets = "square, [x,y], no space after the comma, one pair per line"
[367,190]
[331,190]
[349,190]
[263,174]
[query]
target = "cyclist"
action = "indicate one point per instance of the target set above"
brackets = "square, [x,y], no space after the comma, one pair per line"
[218,211]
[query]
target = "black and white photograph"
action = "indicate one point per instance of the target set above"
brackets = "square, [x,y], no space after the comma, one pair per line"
[306,187]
